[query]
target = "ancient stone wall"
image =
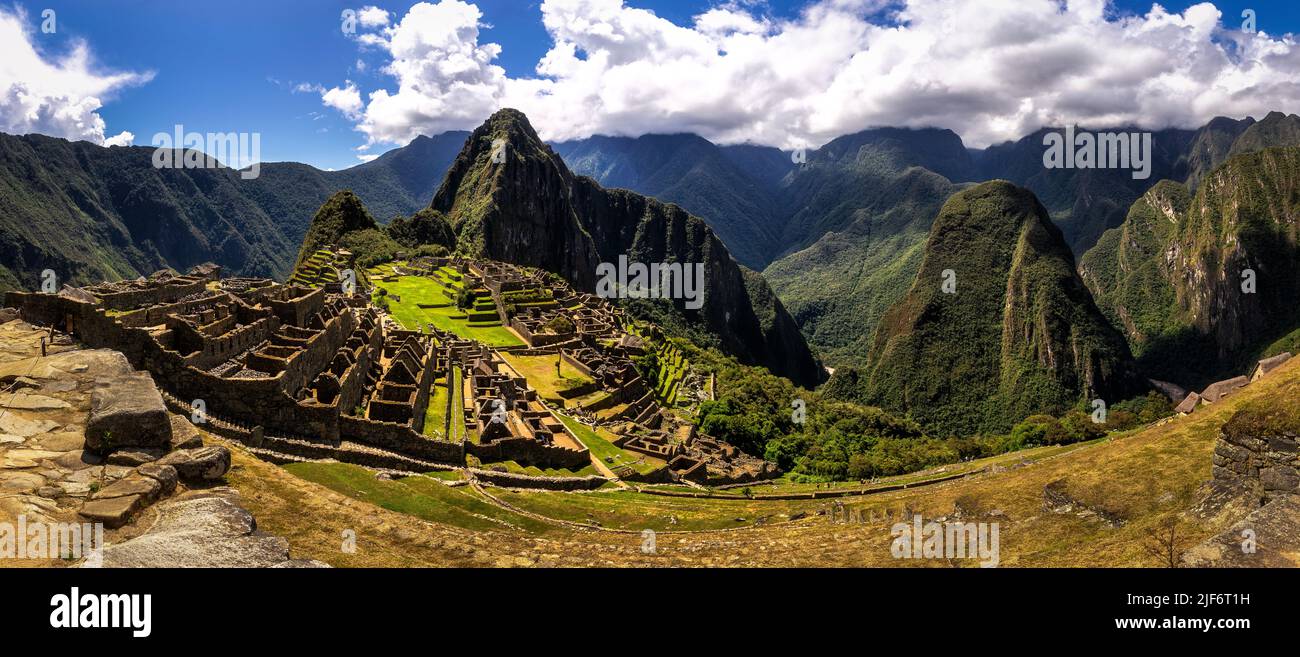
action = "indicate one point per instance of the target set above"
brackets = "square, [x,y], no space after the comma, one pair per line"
[399,438]
[526,451]
[1258,450]
[512,480]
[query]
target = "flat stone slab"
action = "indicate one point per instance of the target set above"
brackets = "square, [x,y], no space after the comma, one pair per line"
[30,402]
[113,512]
[62,441]
[207,530]
[128,413]
[19,426]
[136,485]
[20,482]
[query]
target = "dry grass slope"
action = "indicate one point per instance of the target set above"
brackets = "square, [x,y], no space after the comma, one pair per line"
[1141,479]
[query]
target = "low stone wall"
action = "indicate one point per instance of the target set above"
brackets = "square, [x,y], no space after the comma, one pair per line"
[399,438]
[526,451]
[1258,450]
[512,480]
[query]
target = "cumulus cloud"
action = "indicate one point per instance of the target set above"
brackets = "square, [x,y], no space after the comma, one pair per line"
[58,96]
[124,138]
[989,69]
[346,99]
[372,16]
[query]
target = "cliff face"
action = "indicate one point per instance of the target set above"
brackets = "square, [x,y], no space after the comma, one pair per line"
[1176,275]
[509,197]
[1020,334]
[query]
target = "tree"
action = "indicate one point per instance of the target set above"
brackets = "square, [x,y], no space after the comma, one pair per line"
[1166,543]
[465,299]
[561,325]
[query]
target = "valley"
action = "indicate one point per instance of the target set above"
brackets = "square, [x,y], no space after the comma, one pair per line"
[463,367]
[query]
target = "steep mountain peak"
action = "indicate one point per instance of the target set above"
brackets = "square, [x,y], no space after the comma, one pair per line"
[1202,283]
[1275,130]
[509,196]
[997,325]
[341,214]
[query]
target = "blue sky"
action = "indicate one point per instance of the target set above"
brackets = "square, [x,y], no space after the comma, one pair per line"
[234,65]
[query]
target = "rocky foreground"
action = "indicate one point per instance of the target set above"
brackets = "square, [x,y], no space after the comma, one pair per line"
[86,439]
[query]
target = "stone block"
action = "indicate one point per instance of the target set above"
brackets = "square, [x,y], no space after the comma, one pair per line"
[129,412]
[203,464]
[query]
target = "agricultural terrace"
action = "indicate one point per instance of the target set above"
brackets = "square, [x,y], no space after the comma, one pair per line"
[415,301]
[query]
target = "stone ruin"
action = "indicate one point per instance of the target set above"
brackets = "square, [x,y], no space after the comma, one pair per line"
[300,373]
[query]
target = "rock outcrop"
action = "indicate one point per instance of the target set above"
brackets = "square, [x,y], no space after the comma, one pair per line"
[203,529]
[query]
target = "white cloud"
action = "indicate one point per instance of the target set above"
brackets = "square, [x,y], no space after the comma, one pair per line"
[367,158]
[372,17]
[57,96]
[989,69]
[124,138]
[346,99]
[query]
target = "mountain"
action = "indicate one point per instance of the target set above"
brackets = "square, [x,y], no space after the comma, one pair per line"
[526,207]
[838,288]
[1275,130]
[1084,203]
[1019,335]
[732,189]
[92,213]
[1172,275]
[850,173]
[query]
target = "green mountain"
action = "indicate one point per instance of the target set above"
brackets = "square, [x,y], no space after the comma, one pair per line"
[1019,334]
[91,213]
[510,197]
[1172,275]
[1084,203]
[829,192]
[697,175]
[838,288]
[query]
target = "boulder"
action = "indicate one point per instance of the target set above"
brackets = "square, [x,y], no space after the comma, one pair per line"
[129,412]
[165,475]
[132,457]
[203,530]
[184,435]
[203,464]
[8,315]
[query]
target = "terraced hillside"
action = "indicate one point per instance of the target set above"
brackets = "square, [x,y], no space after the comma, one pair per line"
[1140,480]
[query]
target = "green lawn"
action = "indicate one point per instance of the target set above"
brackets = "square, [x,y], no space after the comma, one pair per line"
[540,372]
[534,471]
[622,509]
[440,310]
[435,417]
[601,447]
[418,496]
